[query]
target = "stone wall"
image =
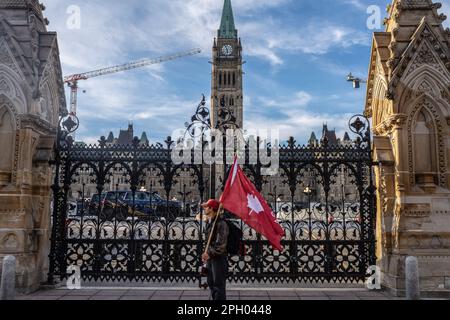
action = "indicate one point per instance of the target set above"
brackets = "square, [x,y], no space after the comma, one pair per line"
[408,100]
[31,100]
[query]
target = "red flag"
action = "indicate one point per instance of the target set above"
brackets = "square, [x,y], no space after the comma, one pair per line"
[243,199]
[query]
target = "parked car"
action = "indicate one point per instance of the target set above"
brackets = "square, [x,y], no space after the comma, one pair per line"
[121,205]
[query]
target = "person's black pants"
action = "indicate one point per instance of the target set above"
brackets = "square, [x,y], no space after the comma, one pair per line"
[217,277]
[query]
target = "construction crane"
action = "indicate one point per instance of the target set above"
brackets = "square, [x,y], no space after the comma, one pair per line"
[72,80]
[356,81]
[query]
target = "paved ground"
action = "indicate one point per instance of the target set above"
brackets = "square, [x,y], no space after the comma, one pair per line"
[97,293]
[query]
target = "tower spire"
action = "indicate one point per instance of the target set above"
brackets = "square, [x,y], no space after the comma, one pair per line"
[227,28]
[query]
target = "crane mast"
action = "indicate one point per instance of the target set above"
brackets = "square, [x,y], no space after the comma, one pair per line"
[72,80]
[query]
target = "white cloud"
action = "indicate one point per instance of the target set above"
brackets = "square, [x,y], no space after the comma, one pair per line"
[269,39]
[356,3]
[125,30]
[299,99]
[301,124]
[109,33]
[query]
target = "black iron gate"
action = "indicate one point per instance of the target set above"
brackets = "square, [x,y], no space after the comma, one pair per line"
[127,212]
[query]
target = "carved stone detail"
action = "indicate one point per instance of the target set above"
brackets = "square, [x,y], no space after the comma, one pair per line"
[417,213]
[4,101]
[442,164]
[10,242]
[390,124]
[6,57]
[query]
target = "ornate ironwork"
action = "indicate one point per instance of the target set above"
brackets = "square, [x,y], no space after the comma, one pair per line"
[323,198]
[201,121]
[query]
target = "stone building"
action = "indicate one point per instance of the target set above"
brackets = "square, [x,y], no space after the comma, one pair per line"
[341,188]
[226,82]
[31,100]
[85,187]
[126,137]
[408,99]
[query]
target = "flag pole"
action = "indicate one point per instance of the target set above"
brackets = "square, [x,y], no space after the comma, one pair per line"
[219,212]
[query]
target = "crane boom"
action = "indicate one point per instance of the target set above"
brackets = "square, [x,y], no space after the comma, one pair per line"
[129,66]
[72,80]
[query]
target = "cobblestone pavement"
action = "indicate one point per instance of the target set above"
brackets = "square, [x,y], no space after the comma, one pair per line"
[99,293]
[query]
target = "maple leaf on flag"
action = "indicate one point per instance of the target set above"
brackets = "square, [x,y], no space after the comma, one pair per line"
[241,198]
[254,204]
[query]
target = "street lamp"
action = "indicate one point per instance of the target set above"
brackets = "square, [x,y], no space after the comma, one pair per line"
[308,191]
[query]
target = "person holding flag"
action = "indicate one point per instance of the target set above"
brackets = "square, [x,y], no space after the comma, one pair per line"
[215,255]
[241,198]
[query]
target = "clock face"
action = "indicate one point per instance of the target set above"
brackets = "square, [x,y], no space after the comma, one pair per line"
[227,50]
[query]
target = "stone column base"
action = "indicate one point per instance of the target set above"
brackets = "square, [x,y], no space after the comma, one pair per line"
[28,278]
[434,270]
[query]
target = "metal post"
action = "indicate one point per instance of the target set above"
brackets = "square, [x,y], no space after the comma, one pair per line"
[8,285]
[412,278]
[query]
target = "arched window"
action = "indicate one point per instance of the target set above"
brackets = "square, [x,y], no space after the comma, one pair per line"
[220,78]
[229,78]
[234,79]
[7,138]
[425,155]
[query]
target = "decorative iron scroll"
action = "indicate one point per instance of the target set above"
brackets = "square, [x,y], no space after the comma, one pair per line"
[127,212]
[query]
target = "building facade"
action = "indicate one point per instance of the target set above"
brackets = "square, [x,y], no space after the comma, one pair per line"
[408,99]
[227,74]
[31,101]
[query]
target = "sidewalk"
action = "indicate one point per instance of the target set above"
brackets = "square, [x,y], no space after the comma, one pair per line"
[97,293]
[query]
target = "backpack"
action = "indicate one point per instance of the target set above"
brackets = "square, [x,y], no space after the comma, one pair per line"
[235,245]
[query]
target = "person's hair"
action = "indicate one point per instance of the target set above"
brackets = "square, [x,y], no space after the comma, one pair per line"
[214,210]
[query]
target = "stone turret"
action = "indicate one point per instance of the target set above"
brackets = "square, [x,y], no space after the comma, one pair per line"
[31,100]
[408,99]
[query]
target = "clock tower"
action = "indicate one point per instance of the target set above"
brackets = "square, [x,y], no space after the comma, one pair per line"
[226,84]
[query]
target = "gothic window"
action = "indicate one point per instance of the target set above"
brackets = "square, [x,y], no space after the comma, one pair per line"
[234,79]
[424,142]
[220,78]
[7,138]
[231,101]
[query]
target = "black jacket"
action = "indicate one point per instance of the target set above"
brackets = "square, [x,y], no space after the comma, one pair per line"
[218,246]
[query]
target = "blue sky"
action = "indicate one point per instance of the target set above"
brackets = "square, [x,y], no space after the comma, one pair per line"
[297,53]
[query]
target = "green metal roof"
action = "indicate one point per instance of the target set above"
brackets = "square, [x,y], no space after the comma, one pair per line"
[227,29]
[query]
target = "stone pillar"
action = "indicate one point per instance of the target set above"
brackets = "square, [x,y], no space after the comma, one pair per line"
[31,100]
[412,277]
[408,99]
[8,279]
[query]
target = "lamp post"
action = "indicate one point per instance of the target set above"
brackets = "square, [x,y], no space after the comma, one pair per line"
[184,194]
[308,192]
[202,120]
